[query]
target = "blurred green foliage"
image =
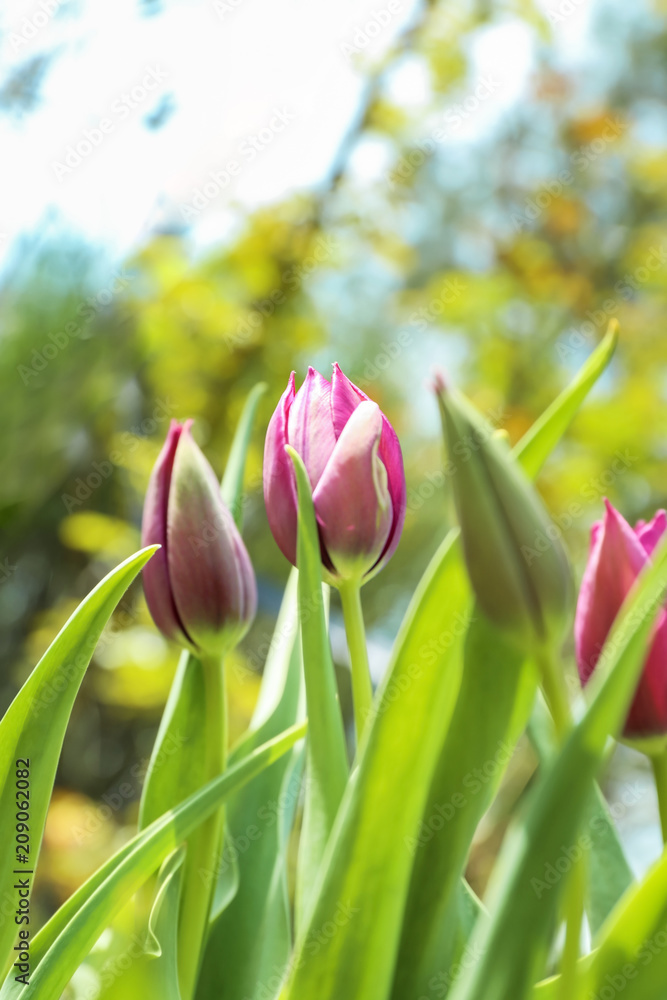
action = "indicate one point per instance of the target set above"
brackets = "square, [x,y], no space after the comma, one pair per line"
[502,259]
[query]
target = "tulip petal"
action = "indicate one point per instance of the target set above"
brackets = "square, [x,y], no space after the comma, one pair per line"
[650,534]
[310,427]
[616,559]
[345,398]
[352,499]
[157,587]
[279,483]
[202,548]
[648,713]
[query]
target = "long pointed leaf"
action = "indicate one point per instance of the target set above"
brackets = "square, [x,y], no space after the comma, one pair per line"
[366,872]
[535,447]
[513,943]
[34,725]
[250,942]
[327,768]
[494,702]
[67,938]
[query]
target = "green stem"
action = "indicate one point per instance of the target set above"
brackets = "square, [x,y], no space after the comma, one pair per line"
[555,692]
[362,689]
[575,892]
[659,764]
[205,845]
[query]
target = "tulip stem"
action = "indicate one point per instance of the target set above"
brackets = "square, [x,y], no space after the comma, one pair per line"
[362,688]
[204,845]
[659,764]
[575,892]
[555,692]
[553,686]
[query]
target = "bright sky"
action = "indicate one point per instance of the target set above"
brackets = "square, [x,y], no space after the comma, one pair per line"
[262,94]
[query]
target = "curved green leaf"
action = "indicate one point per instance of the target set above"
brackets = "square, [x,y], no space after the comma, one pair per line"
[232,480]
[537,444]
[513,943]
[250,942]
[327,768]
[34,725]
[365,876]
[66,939]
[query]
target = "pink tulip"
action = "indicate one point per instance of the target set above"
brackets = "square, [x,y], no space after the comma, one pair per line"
[618,554]
[354,462]
[200,585]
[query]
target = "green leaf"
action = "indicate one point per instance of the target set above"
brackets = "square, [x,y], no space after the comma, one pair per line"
[364,881]
[250,943]
[493,703]
[536,446]
[631,959]
[66,939]
[232,481]
[162,944]
[327,768]
[497,692]
[34,725]
[513,943]
[609,873]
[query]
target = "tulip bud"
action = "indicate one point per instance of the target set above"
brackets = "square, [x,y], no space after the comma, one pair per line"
[517,566]
[618,554]
[355,467]
[200,585]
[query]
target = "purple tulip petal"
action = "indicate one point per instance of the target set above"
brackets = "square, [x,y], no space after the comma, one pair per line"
[202,547]
[345,398]
[310,428]
[648,714]
[650,534]
[615,561]
[392,456]
[279,483]
[352,499]
[157,587]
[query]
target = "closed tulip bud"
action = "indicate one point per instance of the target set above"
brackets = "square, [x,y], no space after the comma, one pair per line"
[618,554]
[517,566]
[200,585]
[355,466]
